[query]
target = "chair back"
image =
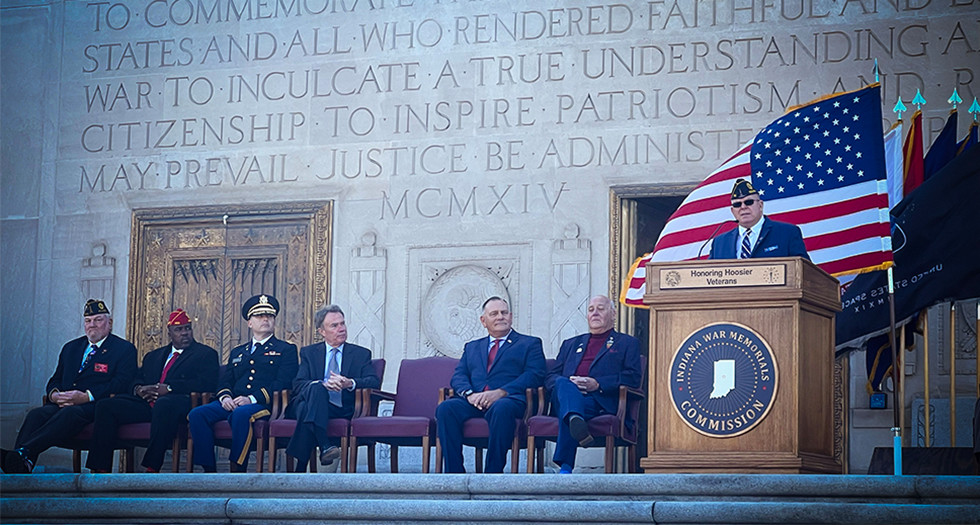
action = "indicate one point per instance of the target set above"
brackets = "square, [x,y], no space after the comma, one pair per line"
[419,381]
[634,404]
[379,365]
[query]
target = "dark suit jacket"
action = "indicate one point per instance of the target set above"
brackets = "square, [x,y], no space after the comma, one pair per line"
[519,365]
[272,367]
[777,239]
[196,370]
[617,363]
[355,363]
[110,371]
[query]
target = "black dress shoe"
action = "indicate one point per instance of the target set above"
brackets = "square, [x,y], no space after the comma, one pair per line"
[328,456]
[17,461]
[580,430]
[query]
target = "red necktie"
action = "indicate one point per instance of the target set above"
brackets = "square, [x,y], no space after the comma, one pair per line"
[493,353]
[166,368]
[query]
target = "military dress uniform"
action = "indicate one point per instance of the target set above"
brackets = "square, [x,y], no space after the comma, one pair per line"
[255,369]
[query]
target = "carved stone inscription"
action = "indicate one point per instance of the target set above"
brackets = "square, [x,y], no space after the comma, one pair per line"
[446,109]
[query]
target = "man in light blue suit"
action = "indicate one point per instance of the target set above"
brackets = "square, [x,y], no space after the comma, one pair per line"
[756,235]
[585,380]
[489,382]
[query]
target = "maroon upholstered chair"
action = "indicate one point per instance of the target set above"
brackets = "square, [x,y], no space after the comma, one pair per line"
[131,435]
[476,434]
[281,429]
[128,436]
[412,421]
[619,429]
[222,430]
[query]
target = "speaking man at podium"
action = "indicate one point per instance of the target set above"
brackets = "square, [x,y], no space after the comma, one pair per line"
[756,235]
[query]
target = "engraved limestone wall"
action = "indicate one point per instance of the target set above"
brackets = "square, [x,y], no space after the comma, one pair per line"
[468,146]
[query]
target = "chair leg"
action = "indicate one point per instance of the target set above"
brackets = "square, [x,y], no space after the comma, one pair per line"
[631,454]
[394,458]
[425,456]
[372,452]
[515,455]
[343,454]
[76,460]
[127,460]
[272,454]
[438,455]
[190,453]
[352,462]
[478,456]
[610,454]
[540,456]
[260,455]
[314,461]
[530,454]
[175,456]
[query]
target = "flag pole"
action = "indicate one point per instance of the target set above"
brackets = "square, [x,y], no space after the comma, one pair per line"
[896,428]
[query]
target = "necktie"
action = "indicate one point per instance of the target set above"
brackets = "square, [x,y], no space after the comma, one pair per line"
[166,367]
[88,357]
[254,346]
[493,353]
[746,249]
[334,367]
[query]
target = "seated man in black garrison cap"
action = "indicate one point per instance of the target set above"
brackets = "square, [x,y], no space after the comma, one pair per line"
[756,235]
[255,370]
[90,368]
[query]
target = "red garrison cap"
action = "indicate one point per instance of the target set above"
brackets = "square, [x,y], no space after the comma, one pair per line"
[178,317]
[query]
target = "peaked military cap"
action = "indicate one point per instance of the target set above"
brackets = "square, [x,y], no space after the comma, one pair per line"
[260,304]
[95,307]
[742,189]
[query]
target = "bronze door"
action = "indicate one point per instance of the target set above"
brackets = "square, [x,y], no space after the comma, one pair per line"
[209,260]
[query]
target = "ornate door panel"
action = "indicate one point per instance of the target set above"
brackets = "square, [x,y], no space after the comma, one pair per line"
[209,260]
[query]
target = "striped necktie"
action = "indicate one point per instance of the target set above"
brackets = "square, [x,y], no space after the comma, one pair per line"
[746,249]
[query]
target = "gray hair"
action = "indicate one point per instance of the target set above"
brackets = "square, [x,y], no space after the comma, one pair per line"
[322,312]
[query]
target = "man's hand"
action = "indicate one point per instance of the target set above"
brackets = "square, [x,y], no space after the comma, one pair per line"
[585,383]
[228,403]
[69,398]
[241,401]
[147,393]
[483,400]
[337,382]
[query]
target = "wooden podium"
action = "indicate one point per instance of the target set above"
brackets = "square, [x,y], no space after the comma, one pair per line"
[711,323]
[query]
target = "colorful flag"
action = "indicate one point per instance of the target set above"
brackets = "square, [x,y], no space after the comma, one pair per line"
[820,166]
[943,149]
[935,260]
[913,154]
[894,164]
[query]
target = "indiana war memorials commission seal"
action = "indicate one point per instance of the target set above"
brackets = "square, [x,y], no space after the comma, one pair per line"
[723,380]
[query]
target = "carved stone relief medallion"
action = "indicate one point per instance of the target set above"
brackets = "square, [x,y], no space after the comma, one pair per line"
[452,305]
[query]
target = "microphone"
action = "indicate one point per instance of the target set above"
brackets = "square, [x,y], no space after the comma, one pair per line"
[713,236]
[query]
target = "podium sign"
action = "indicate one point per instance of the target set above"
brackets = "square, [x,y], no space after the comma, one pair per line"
[741,366]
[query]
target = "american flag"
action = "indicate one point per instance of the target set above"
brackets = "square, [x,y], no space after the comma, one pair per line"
[820,166]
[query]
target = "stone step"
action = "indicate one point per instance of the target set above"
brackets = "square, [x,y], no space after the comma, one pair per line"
[474,498]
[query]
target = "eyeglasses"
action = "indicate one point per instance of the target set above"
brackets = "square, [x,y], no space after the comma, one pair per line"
[747,202]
